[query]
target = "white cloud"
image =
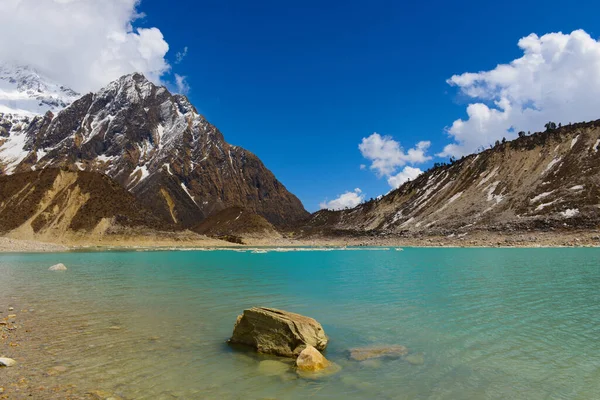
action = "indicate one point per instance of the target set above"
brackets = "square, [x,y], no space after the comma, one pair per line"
[386,154]
[407,174]
[181,55]
[557,79]
[181,84]
[346,200]
[81,43]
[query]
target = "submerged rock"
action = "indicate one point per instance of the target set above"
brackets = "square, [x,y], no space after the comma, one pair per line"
[273,331]
[366,353]
[415,359]
[7,362]
[311,360]
[58,267]
[273,367]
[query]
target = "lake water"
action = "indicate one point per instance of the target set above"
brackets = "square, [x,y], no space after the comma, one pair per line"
[492,323]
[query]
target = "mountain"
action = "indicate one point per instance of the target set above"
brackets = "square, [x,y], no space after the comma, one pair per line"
[51,203]
[547,181]
[23,91]
[155,145]
[237,222]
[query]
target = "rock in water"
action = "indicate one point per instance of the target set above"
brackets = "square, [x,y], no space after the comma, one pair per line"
[273,368]
[279,332]
[311,360]
[366,353]
[415,359]
[7,362]
[58,267]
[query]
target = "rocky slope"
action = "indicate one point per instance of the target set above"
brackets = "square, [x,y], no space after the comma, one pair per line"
[51,203]
[155,145]
[546,181]
[236,221]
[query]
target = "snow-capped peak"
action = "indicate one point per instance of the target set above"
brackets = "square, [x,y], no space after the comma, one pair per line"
[24,91]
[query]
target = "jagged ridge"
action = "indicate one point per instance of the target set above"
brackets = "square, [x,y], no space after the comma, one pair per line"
[155,145]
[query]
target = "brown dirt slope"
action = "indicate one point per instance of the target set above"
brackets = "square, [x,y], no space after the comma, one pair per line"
[54,201]
[236,221]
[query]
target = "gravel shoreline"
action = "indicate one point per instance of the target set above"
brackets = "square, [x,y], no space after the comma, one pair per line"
[475,239]
[8,245]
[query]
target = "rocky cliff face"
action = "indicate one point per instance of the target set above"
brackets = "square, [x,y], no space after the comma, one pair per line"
[155,145]
[550,180]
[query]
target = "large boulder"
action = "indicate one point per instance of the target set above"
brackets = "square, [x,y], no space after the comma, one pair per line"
[273,331]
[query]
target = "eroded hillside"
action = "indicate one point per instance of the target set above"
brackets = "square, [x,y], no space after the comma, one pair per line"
[52,203]
[549,180]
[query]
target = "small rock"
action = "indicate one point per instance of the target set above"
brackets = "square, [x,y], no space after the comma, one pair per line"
[11,308]
[115,328]
[331,369]
[366,353]
[273,367]
[311,360]
[415,359]
[12,316]
[7,362]
[60,368]
[58,267]
[102,395]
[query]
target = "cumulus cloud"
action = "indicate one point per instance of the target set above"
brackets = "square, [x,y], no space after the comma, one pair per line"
[557,79]
[346,200]
[81,43]
[407,174]
[386,154]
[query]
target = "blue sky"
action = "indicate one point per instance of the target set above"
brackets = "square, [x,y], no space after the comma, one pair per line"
[300,84]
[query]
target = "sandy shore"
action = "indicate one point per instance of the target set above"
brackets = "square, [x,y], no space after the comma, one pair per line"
[8,245]
[190,242]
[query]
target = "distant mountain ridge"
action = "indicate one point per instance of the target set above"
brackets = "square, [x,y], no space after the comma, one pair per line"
[24,91]
[155,145]
[547,181]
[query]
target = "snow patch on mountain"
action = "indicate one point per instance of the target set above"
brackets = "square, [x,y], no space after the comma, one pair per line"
[24,91]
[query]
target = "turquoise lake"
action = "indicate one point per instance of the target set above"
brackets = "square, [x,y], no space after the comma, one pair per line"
[491,323]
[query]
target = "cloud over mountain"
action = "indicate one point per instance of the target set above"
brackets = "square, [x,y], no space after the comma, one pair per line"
[557,79]
[386,154]
[345,200]
[81,43]
[407,174]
